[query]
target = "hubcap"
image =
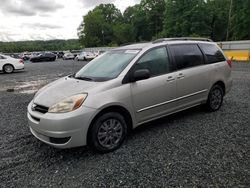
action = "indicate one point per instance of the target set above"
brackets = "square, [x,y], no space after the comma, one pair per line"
[110,133]
[215,99]
[8,68]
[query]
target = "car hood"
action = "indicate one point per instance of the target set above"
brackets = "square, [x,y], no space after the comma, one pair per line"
[61,89]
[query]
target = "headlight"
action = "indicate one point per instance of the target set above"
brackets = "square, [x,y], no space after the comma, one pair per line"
[68,104]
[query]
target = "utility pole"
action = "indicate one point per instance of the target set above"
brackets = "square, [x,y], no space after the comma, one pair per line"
[229,19]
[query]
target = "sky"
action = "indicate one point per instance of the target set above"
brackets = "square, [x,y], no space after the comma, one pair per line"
[47,19]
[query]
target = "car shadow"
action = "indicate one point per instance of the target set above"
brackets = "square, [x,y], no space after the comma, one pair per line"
[167,120]
[15,72]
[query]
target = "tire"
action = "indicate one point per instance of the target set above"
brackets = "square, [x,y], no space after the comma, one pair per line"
[8,69]
[108,132]
[215,98]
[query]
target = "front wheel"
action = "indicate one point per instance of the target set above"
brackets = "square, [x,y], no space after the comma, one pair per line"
[108,132]
[215,98]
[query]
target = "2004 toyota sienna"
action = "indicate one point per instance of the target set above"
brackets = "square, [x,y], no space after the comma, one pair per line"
[127,87]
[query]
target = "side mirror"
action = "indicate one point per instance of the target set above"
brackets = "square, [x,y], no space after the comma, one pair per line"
[141,74]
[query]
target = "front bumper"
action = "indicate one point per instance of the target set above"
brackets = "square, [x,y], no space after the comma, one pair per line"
[63,130]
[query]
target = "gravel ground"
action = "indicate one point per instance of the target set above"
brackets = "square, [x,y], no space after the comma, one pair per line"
[193,148]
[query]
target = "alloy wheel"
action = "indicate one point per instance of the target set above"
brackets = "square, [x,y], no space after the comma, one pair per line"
[216,98]
[8,68]
[110,133]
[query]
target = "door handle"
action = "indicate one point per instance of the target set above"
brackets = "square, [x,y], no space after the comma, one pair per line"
[180,75]
[170,79]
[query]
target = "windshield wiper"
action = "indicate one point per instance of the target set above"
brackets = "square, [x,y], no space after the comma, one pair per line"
[72,75]
[84,78]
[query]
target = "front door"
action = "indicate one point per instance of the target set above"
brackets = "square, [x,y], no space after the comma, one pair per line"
[155,96]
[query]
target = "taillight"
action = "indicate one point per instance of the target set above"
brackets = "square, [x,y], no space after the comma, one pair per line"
[21,61]
[229,62]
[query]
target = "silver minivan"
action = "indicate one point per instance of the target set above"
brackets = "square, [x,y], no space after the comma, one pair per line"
[127,87]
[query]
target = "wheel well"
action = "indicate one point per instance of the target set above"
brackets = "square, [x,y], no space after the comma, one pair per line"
[8,64]
[121,110]
[220,83]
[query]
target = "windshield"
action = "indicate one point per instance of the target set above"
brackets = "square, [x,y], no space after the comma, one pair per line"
[107,66]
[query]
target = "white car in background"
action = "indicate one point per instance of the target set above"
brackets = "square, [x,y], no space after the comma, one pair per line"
[99,53]
[68,56]
[85,56]
[9,64]
[26,56]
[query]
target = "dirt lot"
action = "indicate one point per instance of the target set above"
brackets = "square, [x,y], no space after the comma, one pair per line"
[193,148]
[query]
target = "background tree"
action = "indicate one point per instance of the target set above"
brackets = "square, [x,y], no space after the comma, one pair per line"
[146,19]
[240,20]
[185,18]
[97,26]
[36,46]
[152,19]
[217,18]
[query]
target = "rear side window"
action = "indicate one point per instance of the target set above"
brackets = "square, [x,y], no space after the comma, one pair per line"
[186,55]
[212,53]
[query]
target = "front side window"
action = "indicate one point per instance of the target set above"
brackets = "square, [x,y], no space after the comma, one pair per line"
[186,55]
[212,53]
[156,61]
[107,66]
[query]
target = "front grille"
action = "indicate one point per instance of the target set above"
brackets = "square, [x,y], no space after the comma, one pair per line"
[40,108]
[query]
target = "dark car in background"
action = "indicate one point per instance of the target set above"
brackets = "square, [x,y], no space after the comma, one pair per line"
[47,56]
[60,54]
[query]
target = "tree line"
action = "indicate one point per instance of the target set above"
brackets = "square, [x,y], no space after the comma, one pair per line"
[36,46]
[219,20]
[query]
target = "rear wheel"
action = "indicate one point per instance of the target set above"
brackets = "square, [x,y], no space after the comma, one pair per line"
[8,68]
[108,132]
[215,98]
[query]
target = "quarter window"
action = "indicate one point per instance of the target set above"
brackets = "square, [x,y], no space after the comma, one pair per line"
[156,61]
[212,53]
[186,55]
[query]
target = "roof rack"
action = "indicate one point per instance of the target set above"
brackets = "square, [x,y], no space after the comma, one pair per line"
[130,43]
[182,38]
